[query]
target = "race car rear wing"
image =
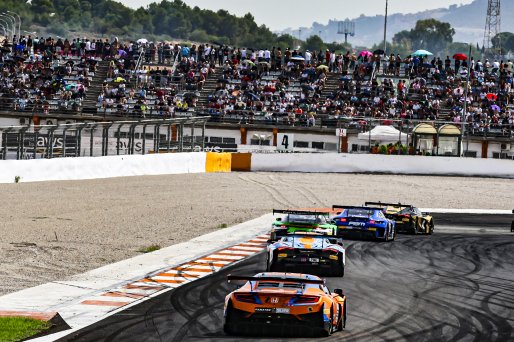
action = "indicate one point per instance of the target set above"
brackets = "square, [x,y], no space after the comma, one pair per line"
[300,212]
[397,205]
[277,279]
[355,207]
[308,234]
[314,235]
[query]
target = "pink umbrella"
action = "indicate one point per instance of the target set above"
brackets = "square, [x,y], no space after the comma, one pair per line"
[365,53]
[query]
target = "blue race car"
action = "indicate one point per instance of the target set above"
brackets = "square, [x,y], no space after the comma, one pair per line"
[364,222]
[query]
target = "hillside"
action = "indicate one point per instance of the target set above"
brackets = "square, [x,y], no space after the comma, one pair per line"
[468,21]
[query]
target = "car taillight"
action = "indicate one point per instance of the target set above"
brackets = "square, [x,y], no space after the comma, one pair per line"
[247,298]
[403,215]
[342,220]
[305,300]
[331,250]
[371,221]
[282,249]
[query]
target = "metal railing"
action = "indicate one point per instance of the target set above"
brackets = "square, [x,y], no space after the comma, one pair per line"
[102,138]
[139,64]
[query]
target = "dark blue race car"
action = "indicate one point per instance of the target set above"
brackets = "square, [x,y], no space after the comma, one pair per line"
[364,222]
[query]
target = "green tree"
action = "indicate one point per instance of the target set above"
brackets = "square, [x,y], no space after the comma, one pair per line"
[505,40]
[285,41]
[314,43]
[428,34]
[339,47]
[393,48]
[167,18]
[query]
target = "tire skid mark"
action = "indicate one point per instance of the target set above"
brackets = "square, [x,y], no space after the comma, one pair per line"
[439,288]
[271,190]
[303,190]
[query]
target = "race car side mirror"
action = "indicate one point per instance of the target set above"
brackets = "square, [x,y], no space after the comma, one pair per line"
[269,241]
[279,219]
[339,292]
[332,222]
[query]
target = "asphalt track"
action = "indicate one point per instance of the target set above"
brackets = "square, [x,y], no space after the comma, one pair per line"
[456,285]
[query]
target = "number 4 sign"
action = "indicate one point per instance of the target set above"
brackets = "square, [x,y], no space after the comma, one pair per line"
[285,142]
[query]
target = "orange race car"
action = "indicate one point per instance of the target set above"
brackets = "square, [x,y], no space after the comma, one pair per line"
[284,304]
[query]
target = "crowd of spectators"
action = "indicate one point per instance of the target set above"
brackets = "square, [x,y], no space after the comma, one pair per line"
[39,75]
[271,85]
[167,89]
[432,89]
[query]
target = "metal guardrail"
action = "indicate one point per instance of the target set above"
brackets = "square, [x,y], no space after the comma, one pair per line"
[102,138]
[275,119]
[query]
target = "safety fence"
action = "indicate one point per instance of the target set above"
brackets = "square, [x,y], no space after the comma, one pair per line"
[93,139]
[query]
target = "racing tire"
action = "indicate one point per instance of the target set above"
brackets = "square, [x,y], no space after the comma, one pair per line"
[431,229]
[341,325]
[387,237]
[273,268]
[339,272]
[273,237]
[229,320]
[323,330]
[326,331]
[414,228]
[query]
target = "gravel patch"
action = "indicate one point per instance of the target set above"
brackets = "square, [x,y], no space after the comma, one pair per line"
[51,230]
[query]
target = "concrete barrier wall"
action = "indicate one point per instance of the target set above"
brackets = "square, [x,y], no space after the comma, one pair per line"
[241,162]
[218,162]
[179,163]
[101,167]
[368,163]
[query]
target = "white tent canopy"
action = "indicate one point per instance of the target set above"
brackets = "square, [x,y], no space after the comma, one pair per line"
[384,133]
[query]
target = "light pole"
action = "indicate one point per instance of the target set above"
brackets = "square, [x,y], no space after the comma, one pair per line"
[465,109]
[19,22]
[385,27]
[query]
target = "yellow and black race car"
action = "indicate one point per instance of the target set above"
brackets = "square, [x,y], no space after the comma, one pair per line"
[408,218]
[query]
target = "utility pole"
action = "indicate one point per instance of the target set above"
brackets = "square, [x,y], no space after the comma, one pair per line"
[385,27]
[465,109]
[493,27]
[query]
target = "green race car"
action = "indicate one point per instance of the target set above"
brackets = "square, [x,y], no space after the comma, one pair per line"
[296,221]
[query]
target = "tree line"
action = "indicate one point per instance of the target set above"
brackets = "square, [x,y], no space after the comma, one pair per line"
[176,20]
[166,19]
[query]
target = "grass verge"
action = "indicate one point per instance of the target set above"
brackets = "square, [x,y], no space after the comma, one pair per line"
[18,328]
[149,249]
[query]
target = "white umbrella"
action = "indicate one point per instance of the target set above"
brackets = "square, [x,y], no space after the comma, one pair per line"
[142,41]
[297,58]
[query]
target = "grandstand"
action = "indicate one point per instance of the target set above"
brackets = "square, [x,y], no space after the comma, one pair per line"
[241,88]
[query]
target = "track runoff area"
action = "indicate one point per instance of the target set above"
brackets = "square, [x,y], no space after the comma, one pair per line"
[454,285]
